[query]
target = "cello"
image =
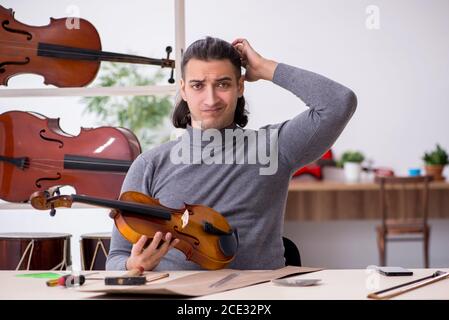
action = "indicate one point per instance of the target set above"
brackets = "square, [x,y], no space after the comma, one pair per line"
[206,237]
[36,154]
[64,57]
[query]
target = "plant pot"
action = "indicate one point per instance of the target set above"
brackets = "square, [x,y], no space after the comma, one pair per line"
[436,171]
[352,171]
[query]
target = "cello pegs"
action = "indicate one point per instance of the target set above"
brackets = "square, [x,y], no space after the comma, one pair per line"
[171,80]
[168,49]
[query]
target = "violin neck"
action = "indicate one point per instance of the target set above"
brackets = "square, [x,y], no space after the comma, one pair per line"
[130,207]
[66,52]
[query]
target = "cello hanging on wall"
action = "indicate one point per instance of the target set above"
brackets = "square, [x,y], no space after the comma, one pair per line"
[64,57]
[36,154]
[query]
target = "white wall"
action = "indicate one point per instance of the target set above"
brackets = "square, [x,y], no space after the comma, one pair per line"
[399,72]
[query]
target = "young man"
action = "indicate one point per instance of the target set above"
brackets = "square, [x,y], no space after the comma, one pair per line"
[251,195]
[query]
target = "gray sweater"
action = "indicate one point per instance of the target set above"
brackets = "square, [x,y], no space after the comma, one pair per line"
[252,202]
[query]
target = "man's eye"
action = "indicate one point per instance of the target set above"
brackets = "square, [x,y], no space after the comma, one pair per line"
[197,86]
[223,85]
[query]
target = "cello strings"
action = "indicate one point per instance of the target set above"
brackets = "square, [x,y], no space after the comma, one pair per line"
[45,163]
[53,168]
[42,161]
[144,60]
[42,165]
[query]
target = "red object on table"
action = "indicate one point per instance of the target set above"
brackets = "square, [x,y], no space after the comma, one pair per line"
[315,168]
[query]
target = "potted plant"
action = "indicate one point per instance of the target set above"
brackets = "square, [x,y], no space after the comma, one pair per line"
[435,161]
[144,115]
[351,161]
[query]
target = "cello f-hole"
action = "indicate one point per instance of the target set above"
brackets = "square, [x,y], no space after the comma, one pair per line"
[6,22]
[37,183]
[41,134]
[2,69]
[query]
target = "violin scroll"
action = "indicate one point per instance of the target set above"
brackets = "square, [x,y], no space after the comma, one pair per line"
[50,200]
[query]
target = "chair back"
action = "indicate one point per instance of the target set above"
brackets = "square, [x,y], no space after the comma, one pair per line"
[291,253]
[412,198]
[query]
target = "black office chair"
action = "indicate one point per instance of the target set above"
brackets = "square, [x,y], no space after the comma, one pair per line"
[291,253]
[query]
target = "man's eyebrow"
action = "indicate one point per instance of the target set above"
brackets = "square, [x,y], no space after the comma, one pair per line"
[226,78]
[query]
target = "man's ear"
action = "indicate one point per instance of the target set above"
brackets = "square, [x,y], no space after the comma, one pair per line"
[182,89]
[241,86]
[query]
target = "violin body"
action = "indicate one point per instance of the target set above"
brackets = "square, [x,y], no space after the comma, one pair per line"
[208,250]
[205,236]
[25,54]
[36,154]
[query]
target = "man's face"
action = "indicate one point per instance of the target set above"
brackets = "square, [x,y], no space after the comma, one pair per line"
[211,89]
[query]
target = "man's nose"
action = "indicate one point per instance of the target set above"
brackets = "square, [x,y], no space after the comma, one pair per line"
[211,96]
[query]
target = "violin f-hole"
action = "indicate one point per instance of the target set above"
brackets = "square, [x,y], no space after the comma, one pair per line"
[197,242]
[26,33]
[41,134]
[38,181]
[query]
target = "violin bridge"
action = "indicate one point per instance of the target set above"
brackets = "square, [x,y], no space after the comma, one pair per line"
[185,219]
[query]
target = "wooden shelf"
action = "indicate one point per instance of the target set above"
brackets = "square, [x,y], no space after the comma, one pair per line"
[327,185]
[5,206]
[89,92]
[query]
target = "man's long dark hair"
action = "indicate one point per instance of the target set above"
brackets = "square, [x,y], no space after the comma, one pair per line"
[205,50]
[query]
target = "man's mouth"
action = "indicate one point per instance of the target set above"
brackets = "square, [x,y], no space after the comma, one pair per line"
[212,110]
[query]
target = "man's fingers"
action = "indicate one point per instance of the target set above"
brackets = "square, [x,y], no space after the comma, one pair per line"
[238,40]
[154,243]
[174,243]
[165,246]
[138,246]
[168,244]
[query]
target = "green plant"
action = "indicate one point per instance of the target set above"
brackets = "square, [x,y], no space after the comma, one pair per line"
[436,157]
[351,156]
[144,115]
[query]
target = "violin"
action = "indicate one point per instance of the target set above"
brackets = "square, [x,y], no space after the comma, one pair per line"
[205,236]
[64,57]
[36,154]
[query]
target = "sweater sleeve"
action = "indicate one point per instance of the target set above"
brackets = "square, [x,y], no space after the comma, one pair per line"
[310,134]
[136,180]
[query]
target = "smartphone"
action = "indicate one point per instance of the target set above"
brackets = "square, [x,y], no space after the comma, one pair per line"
[394,271]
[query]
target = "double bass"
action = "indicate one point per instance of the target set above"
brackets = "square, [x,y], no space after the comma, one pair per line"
[36,154]
[65,57]
[206,237]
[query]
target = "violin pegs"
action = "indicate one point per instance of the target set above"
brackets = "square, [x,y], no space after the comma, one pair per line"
[52,211]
